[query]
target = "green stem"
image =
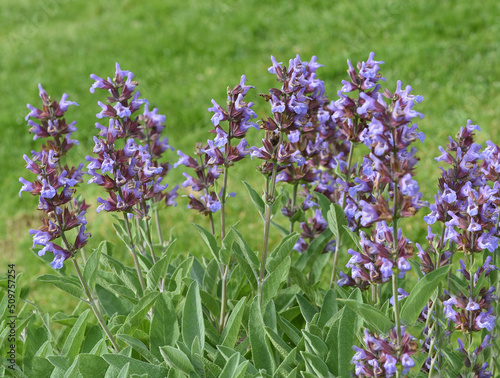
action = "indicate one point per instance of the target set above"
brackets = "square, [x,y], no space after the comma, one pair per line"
[395,248]
[134,253]
[294,200]
[148,234]
[339,242]
[267,220]
[225,268]
[158,226]
[94,308]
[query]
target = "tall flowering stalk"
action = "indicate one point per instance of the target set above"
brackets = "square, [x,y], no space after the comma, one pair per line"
[55,185]
[390,166]
[215,159]
[467,208]
[289,107]
[131,175]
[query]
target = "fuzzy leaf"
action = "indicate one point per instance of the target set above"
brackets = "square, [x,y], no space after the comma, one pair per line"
[261,353]
[346,339]
[232,329]
[92,265]
[138,313]
[281,251]
[274,280]
[74,340]
[372,316]
[336,221]
[164,327]
[256,199]
[209,240]
[136,366]
[420,294]
[159,270]
[64,283]
[192,318]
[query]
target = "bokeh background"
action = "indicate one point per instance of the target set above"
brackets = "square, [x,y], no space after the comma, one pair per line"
[184,53]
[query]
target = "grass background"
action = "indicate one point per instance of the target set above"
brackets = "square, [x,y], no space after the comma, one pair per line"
[184,53]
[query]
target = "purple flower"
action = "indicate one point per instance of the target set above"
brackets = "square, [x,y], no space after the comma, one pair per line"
[486,320]
[409,187]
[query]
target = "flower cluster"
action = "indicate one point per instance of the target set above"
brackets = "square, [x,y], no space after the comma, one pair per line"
[381,358]
[55,183]
[376,262]
[219,153]
[465,200]
[131,174]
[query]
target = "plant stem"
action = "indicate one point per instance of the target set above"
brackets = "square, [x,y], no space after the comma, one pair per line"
[134,253]
[224,269]
[267,220]
[294,199]
[395,245]
[94,308]
[148,234]
[339,242]
[158,226]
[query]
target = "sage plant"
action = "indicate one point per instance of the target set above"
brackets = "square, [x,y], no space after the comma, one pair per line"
[55,187]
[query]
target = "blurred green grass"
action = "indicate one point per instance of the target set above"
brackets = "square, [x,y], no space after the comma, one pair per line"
[184,53]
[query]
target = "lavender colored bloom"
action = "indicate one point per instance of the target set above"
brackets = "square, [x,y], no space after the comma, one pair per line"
[486,320]
[472,306]
[386,269]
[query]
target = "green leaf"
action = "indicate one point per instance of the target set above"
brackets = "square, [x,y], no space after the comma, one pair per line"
[354,237]
[210,278]
[307,309]
[420,294]
[229,369]
[274,280]
[75,337]
[261,353]
[192,318]
[124,371]
[315,365]
[249,254]
[60,362]
[332,342]
[373,317]
[139,347]
[281,252]
[126,274]
[232,329]
[298,278]
[159,270]
[315,344]
[42,367]
[249,272]
[136,366]
[328,309]
[336,221]
[346,339]
[323,202]
[87,365]
[164,327]
[111,303]
[138,313]
[209,240]
[177,359]
[278,343]
[92,266]
[256,199]
[291,331]
[71,287]
[227,244]
[316,247]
